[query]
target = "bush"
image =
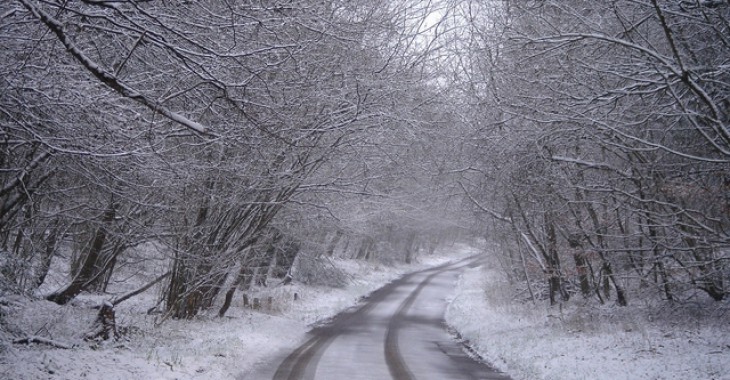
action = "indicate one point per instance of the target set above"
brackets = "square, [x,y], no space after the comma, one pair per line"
[312,270]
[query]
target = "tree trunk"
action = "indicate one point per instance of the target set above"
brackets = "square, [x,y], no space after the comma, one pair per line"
[365,247]
[409,248]
[620,295]
[660,273]
[87,270]
[105,267]
[45,264]
[231,291]
[581,268]
[553,260]
[330,250]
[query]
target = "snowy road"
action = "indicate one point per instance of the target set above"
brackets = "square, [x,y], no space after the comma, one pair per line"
[398,333]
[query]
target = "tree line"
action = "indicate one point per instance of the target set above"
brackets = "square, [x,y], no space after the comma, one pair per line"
[588,140]
[603,135]
[237,136]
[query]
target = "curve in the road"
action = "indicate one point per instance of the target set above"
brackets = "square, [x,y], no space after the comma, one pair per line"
[302,362]
[304,359]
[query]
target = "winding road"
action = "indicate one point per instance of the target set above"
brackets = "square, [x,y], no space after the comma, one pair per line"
[398,333]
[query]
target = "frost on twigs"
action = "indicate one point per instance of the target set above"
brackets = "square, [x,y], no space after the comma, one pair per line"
[312,270]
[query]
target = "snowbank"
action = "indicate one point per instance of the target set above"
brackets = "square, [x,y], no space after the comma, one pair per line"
[538,342]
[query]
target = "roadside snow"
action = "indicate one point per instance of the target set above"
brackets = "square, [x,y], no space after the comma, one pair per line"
[535,342]
[524,340]
[205,348]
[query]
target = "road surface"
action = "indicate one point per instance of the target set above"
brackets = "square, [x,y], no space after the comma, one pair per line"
[398,333]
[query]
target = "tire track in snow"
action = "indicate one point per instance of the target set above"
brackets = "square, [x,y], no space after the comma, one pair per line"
[302,362]
[396,365]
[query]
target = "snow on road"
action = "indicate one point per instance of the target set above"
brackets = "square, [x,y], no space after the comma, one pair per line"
[398,333]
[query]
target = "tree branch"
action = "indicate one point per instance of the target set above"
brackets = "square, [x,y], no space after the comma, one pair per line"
[40,340]
[107,78]
[133,293]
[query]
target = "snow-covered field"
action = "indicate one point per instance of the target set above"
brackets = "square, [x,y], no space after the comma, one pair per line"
[538,342]
[205,348]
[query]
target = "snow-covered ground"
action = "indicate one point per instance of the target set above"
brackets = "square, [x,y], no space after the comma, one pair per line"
[538,342]
[527,341]
[205,348]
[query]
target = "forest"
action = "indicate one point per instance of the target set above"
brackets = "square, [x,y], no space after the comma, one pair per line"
[250,141]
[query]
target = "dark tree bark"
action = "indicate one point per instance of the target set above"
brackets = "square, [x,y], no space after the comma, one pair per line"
[105,325]
[91,260]
[553,259]
[231,291]
[581,266]
[45,264]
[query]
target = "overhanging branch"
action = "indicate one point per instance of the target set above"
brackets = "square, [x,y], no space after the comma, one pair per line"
[107,78]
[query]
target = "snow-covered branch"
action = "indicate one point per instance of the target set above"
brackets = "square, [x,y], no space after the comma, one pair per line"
[489,211]
[106,77]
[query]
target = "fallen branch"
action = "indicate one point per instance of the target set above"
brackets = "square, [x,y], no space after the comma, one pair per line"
[41,340]
[140,290]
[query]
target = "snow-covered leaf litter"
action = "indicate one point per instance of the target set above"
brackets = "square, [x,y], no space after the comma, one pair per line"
[538,342]
[203,348]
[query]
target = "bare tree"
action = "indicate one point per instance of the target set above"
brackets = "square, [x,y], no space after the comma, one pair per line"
[619,109]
